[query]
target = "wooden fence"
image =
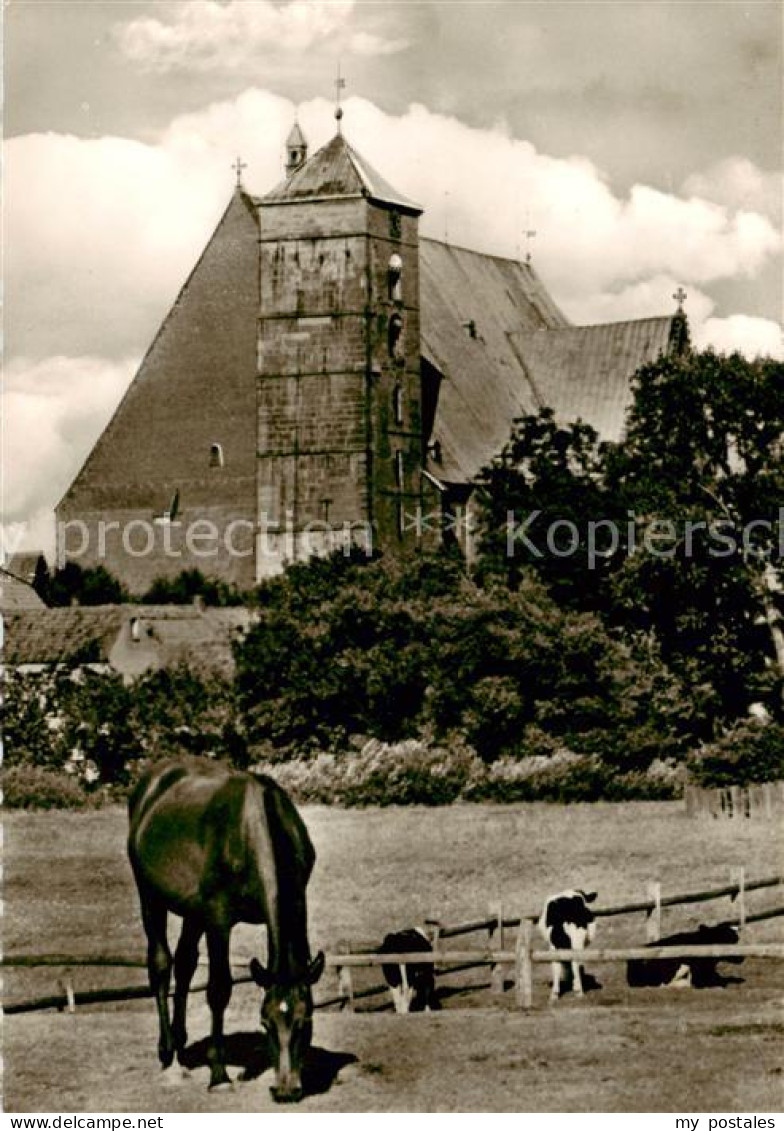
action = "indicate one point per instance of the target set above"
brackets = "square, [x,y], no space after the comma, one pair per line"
[497,954]
[765,801]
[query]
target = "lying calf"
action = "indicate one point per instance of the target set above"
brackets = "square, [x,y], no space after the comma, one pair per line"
[567,923]
[411,984]
[697,972]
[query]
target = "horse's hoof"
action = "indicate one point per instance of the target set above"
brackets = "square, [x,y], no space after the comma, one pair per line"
[224,1085]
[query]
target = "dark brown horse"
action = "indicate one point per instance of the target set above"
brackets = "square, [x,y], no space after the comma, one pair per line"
[219,847]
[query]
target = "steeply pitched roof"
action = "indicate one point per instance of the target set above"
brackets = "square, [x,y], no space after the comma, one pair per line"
[337,170]
[26,565]
[584,372]
[17,594]
[470,305]
[170,634]
[53,636]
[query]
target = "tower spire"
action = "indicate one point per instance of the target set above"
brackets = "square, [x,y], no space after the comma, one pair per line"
[296,149]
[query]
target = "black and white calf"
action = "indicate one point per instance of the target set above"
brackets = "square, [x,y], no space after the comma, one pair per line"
[696,972]
[567,923]
[411,984]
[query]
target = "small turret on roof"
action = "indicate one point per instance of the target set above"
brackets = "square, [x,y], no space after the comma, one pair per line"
[337,170]
[296,150]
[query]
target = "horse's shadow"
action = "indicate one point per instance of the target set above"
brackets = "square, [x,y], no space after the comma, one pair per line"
[250,1053]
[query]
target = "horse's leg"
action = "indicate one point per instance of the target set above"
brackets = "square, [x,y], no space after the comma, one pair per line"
[218,994]
[185,959]
[159,963]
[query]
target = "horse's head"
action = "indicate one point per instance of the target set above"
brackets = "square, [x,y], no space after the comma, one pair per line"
[286,1017]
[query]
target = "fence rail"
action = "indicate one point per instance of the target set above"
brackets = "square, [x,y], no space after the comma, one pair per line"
[495,954]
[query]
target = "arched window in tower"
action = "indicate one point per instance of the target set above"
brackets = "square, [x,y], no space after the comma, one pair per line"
[394,338]
[397,404]
[395,278]
[216,455]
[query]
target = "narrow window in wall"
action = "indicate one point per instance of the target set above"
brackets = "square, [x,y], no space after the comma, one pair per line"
[395,278]
[399,469]
[216,455]
[168,516]
[394,336]
[397,404]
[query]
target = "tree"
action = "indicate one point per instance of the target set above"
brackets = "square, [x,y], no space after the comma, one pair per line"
[702,472]
[674,534]
[74,585]
[545,506]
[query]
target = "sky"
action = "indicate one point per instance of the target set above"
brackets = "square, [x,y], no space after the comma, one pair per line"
[640,141]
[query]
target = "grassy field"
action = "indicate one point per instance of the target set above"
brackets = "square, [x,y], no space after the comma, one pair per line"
[68,888]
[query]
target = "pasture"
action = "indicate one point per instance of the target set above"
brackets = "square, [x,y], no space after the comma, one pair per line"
[68,889]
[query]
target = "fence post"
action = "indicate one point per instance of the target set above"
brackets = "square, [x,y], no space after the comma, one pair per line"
[738,876]
[346,987]
[496,942]
[653,917]
[736,795]
[524,970]
[65,985]
[345,979]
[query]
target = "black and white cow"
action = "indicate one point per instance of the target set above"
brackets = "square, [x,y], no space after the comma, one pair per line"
[567,923]
[411,984]
[697,972]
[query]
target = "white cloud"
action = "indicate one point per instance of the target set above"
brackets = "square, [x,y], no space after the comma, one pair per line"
[204,34]
[753,337]
[53,412]
[738,183]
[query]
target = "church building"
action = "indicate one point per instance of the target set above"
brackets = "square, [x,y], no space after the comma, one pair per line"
[327,376]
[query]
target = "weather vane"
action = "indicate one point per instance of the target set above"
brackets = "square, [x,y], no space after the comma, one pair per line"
[340,84]
[238,166]
[680,297]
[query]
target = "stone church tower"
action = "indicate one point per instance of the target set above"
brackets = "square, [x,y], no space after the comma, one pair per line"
[339,420]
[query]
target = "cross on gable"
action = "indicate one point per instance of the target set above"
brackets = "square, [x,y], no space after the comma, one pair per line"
[239,165]
[680,297]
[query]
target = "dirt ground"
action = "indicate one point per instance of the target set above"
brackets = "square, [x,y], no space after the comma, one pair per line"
[711,1050]
[68,889]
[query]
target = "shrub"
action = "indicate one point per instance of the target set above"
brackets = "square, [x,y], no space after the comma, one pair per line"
[33,787]
[410,773]
[752,751]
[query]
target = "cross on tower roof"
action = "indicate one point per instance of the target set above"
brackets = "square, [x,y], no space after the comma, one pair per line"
[680,297]
[529,234]
[239,165]
[340,84]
